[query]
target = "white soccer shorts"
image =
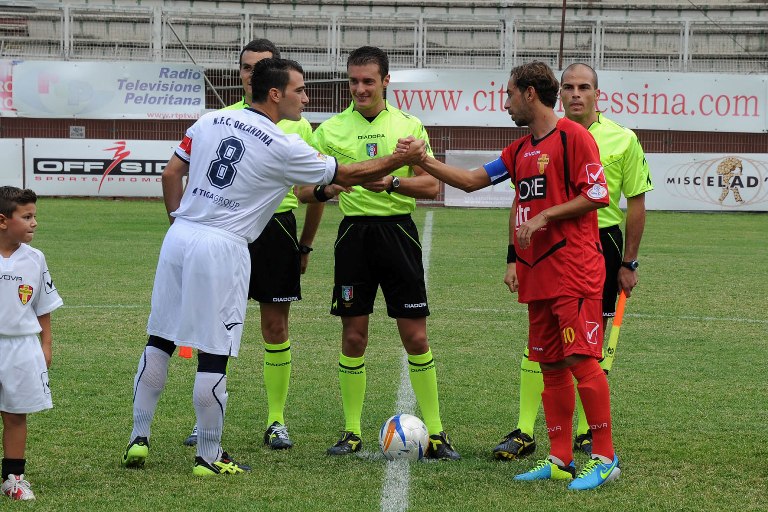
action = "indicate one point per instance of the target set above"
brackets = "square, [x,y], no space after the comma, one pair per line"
[23,376]
[201,288]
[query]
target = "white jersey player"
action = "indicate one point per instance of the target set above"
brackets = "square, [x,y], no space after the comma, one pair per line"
[228,144]
[27,298]
[239,167]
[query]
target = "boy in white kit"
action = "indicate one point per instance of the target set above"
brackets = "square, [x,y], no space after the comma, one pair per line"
[27,297]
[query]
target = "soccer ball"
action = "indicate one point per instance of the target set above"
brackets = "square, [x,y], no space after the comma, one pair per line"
[403,436]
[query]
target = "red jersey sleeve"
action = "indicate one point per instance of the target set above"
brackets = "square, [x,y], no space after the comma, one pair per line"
[588,176]
[508,157]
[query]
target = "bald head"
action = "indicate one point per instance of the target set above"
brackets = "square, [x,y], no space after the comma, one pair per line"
[578,94]
[580,66]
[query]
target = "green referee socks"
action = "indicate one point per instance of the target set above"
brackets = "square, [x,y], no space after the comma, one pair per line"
[424,382]
[531,386]
[277,377]
[352,382]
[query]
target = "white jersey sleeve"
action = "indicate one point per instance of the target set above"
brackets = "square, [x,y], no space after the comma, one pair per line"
[304,164]
[184,151]
[26,292]
[241,166]
[48,300]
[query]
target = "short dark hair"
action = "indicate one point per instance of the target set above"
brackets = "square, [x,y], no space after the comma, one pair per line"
[538,75]
[369,55]
[259,46]
[271,73]
[591,70]
[13,197]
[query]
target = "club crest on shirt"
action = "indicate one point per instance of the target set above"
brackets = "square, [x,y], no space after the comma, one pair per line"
[346,293]
[25,293]
[372,149]
[543,162]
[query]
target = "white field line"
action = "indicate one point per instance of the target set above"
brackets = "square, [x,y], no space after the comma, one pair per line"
[514,310]
[396,485]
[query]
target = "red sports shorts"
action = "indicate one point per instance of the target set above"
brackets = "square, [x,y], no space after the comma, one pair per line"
[564,326]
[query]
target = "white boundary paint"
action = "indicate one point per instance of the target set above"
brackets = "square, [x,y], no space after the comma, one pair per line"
[396,485]
[691,318]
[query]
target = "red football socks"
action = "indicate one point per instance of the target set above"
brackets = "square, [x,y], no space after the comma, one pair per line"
[559,399]
[596,398]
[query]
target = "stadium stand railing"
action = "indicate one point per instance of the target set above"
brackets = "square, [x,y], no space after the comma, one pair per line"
[607,35]
[321,40]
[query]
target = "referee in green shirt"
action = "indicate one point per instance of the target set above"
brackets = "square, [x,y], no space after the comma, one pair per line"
[626,171]
[378,245]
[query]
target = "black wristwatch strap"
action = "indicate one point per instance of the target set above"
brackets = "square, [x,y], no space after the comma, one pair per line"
[631,265]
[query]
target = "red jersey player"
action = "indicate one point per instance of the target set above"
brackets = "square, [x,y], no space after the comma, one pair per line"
[555,264]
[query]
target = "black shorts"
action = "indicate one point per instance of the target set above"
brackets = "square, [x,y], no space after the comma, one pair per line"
[276,262]
[613,244]
[373,251]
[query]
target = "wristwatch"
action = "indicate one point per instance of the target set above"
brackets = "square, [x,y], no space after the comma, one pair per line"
[304,249]
[394,185]
[631,265]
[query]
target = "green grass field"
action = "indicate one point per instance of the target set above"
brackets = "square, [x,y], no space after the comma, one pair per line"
[688,385]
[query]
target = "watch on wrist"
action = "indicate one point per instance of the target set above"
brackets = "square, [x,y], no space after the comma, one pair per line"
[631,265]
[304,249]
[394,185]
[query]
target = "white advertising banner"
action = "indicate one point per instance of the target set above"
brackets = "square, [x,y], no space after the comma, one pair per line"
[702,181]
[496,196]
[708,102]
[108,90]
[12,170]
[682,181]
[6,88]
[100,168]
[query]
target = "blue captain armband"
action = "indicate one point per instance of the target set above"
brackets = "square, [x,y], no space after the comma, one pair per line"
[497,171]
